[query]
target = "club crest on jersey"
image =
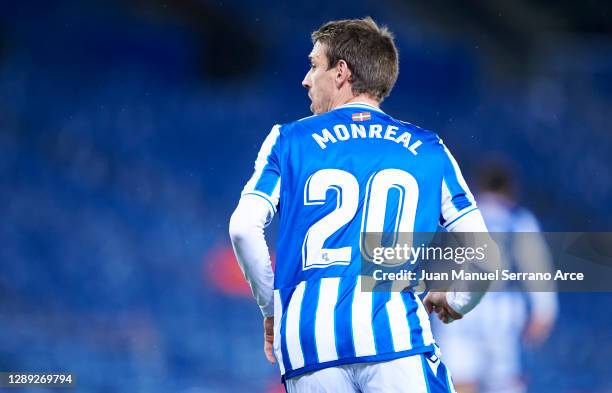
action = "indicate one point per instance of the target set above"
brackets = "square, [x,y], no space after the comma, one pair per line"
[361,116]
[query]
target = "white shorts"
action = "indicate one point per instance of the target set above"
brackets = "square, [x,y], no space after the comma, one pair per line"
[424,373]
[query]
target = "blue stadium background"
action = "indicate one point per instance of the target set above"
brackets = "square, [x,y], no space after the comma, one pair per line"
[127,129]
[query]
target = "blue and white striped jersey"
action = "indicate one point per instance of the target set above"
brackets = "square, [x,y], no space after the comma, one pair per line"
[331,177]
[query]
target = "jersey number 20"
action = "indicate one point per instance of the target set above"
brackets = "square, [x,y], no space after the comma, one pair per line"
[314,255]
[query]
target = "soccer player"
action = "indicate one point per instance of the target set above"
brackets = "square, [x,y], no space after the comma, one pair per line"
[350,168]
[484,349]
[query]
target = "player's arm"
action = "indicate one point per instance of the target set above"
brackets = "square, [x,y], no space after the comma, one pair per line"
[460,215]
[257,206]
[247,234]
[471,231]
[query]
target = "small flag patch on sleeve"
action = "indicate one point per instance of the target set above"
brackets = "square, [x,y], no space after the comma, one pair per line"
[361,116]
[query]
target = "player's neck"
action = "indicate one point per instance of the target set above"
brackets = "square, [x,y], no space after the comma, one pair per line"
[361,99]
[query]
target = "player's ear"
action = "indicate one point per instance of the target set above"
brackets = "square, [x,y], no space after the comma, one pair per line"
[343,73]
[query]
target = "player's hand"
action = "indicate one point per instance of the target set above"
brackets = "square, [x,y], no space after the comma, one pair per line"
[436,302]
[268,324]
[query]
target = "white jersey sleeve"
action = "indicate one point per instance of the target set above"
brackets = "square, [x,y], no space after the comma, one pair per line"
[257,206]
[464,301]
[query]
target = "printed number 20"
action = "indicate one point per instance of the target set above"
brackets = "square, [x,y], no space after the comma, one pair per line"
[347,201]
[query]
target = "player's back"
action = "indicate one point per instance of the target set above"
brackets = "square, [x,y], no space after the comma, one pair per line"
[352,170]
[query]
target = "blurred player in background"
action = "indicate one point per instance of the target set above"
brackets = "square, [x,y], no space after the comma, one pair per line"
[484,348]
[350,168]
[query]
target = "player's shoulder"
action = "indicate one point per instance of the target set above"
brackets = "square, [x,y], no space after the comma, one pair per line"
[309,121]
[420,132]
[304,125]
[432,142]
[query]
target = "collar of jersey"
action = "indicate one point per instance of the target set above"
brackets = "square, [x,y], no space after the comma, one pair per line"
[360,104]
